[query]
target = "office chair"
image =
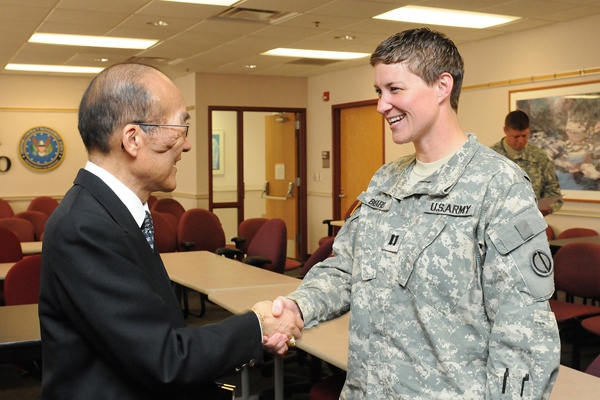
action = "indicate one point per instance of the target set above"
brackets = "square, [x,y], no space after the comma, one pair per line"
[328,388]
[151,201]
[22,281]
[38,219]
[550,233]
[20,227]
[45,204]
[199,229]
[577,273]
[165,233]
[594,367]
[169,206]
[331,229]
[246,232]
[6,210]
[320,254]
[267,250]
[22,286]
[10,250]
[576,232]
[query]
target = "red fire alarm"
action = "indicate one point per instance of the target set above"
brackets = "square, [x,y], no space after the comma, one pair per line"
[325,96]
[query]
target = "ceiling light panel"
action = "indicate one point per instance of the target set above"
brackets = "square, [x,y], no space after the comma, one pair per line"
[92,41]
[328,55]
[445,17]
[53,68]
[225,3]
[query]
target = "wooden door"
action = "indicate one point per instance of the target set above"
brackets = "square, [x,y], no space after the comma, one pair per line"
[361,151]
[281,173]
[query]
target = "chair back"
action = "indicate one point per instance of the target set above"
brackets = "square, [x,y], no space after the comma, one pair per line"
[594,367]
[550,233]
[247,230]
[271,242]
[38,219]
[20,227]
[201,229]
[169,206]
[577,269]
[165,234]
[6,210]
[576,232]
[322,252]
[22,281]
[10,247]
[45,204]
[151,201]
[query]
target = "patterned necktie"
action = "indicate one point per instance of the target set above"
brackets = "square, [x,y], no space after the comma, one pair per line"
[148,229]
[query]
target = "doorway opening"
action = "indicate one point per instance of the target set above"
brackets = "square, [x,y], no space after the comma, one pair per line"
[257,160]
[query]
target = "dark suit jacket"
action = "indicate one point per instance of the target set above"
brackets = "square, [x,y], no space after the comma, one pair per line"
[111,325]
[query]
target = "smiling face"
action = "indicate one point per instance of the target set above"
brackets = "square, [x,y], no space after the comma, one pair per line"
[163,145]
[408,104]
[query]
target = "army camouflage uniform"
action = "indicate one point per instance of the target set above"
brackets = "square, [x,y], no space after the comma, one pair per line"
[447,284]
[539,168]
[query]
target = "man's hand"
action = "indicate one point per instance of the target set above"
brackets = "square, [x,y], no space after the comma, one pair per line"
[279,331]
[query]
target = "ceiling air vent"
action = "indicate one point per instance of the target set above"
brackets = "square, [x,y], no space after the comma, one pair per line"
[154,60]
[252,15]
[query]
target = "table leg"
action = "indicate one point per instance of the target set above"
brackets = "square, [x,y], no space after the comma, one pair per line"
[278,378]
[245,383]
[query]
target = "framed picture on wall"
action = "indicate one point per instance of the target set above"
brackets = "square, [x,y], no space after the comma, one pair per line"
[565,122]
[218,147]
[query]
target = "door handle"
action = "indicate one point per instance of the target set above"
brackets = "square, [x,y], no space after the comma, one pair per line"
[341,195]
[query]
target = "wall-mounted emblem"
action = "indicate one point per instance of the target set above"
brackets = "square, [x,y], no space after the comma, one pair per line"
[41,149]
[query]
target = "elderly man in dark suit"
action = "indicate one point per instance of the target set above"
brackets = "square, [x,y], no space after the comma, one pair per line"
[111,325]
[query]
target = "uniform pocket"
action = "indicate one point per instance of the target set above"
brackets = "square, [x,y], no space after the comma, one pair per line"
[442,265]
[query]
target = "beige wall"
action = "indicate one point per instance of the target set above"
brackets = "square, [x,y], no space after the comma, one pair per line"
[28,101]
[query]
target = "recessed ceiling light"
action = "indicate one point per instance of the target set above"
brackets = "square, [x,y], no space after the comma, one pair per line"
[102,60]
[159,24]
[92,41]
[345,37]
[225,3]
[53,68]
[328,55]
[445,17]
[250,66]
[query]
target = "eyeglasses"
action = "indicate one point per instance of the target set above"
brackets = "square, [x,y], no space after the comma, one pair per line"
[186,126]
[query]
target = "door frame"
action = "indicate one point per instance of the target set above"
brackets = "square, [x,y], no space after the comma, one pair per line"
[336,111]
[301,167]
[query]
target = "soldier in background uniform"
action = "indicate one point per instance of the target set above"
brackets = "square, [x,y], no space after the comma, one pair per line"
[445,267]
[532,159]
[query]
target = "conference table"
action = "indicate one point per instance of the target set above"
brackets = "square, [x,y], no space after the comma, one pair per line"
[4,267]
[20,338]
[29,248]
[207,272]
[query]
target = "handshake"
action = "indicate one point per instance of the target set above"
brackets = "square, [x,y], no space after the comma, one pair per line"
[281,322]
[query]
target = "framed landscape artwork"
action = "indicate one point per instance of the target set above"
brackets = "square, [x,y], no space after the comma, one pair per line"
[565,122]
